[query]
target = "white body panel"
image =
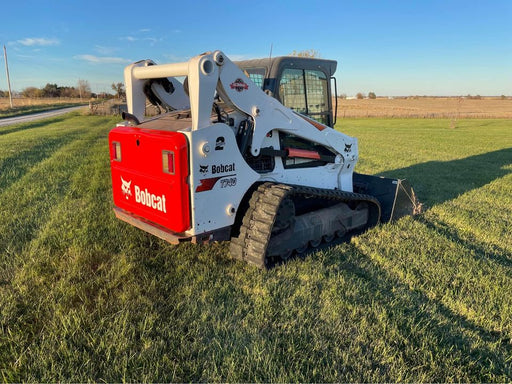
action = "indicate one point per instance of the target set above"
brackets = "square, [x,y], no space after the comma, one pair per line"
[215,161]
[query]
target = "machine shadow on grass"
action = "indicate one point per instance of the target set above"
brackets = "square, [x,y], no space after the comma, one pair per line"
[451,333]
[436,182]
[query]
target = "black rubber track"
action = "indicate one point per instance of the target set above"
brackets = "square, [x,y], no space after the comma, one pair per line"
[256,228]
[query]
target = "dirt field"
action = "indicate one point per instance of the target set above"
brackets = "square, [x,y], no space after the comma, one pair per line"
[450,107]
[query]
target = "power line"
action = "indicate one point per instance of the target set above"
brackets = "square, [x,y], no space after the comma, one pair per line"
[8,79]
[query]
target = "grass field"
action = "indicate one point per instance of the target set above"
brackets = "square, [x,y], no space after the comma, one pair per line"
[84,297]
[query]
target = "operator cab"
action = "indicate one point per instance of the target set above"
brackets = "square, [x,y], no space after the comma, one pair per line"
[302,84]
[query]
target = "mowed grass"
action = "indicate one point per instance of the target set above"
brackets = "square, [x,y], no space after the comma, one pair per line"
[85,297]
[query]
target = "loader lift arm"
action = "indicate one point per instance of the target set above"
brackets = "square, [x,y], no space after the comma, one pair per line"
[213,72]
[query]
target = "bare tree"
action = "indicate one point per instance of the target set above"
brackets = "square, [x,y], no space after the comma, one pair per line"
[84,89]
[119,89]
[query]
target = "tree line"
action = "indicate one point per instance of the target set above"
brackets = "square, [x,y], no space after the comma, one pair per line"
[360,95]
[81,90]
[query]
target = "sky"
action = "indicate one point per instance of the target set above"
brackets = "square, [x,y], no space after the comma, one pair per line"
[391,48]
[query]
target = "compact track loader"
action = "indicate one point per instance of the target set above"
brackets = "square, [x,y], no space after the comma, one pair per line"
[243,152]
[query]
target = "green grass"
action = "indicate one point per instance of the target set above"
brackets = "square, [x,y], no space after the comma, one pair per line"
[85,297]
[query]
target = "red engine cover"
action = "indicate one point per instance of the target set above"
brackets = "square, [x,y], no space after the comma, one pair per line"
[149,175]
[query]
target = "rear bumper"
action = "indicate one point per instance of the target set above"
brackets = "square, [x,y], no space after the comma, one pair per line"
[222,234]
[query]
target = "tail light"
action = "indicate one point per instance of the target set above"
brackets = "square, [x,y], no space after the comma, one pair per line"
[116,150]
[168,162]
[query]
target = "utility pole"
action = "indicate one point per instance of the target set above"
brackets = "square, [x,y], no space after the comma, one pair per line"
[7,72]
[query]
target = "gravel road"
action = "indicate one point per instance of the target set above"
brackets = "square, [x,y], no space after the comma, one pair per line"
[37,116]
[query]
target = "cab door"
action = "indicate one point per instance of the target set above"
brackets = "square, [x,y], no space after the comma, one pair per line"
[306,91]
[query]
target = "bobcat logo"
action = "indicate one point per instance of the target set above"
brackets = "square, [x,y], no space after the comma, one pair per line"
[348,147]
[203,169]
[239,85]
[126,188]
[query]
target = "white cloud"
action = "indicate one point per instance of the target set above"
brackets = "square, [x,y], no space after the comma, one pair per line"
[104,50]
[31,57]
[132,39]
[102,59]
[152,41]
[175,58]
[38,41]
[239,57]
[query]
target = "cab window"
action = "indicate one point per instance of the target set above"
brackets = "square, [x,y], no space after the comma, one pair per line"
[257,75]
[305,91]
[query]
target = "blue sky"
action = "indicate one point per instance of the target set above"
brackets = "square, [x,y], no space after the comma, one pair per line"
[438,47]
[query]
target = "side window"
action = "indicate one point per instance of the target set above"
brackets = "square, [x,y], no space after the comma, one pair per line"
[257,75]
[317,97]
[306,92]
[292,91]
